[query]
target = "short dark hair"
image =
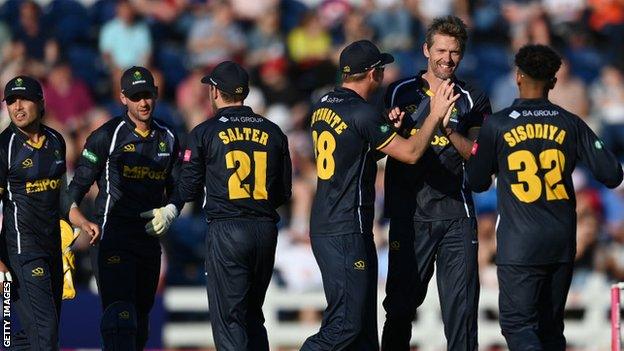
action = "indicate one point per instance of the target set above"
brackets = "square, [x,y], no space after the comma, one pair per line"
[449,25]
[539,62]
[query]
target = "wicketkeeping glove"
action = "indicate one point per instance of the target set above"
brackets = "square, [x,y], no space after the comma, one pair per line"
[161,219]
[68,236]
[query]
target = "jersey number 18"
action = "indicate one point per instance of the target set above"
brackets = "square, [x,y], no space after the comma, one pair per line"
[324,147]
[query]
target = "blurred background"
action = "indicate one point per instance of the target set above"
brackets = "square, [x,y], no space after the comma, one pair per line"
[78,49]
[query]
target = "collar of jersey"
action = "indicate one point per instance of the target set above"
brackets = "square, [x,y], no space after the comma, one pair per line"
[530,102]
[134,129]
[233,110]
[24,138]
[343,90]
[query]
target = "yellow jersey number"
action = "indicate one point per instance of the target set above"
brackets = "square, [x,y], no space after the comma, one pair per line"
[530,187]
[241,162]
[324,147]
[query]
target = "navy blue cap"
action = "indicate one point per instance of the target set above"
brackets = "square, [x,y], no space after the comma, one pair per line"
[137,80]
[24,87]
[230,77]
[361,56]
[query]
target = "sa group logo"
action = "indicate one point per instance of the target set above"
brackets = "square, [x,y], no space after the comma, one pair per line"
[359,265]
[37,272]
[27,163]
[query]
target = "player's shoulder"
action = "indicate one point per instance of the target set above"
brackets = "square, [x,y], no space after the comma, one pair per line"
[5,137]
[404,85]
[163,127]
[472,92]
[56,136]
[407,83]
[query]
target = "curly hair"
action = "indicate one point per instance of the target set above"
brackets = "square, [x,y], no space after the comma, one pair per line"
[449,25]
[539,62]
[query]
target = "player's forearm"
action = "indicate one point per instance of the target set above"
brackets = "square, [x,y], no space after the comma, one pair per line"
[462,144]
[76,217]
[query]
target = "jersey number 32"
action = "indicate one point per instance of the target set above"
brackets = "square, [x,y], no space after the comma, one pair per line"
[530,187]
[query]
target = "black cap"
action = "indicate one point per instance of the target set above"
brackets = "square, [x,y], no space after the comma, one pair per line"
[229,77]
[25,87]
[362,55]
[137,80]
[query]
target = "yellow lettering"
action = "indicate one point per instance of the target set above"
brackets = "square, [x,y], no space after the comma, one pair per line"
[224,138]
[553,130]
[264,138]
[509,139]
[530,131]
[231,135]
[521,133]
[341,128]
[560,137]
[247,132]
[255,135]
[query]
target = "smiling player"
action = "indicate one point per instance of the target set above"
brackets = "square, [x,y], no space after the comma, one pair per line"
[430,209]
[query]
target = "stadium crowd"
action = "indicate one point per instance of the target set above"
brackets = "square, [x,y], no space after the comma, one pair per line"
[78,49]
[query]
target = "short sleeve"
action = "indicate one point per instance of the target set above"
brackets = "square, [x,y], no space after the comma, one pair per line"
[374,128]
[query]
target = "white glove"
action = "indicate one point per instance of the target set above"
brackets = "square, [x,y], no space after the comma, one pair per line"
[161,219]
[5,276]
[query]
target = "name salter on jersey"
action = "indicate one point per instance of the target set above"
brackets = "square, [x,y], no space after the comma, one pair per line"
[534,146]
[434,188]
[346,132]
[241,162]
[31,176]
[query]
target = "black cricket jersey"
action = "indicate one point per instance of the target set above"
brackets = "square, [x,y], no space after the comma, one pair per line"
[240,161]
[347,132]
[434,188]
[31,176]
[532,147]
[133,170]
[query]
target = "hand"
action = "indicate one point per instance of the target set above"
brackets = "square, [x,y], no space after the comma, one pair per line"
[443,100]
[447,117]
[396,117]
[5,275]
[92,229]
[161,219]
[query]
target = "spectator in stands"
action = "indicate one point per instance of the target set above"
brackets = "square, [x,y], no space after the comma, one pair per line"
[570,92]
[264,41]
[215,37]
[193,100]
[124,41]
[39,43]
[67,98]
[607,97]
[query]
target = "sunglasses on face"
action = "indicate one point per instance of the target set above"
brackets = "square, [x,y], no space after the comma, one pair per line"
[140,96]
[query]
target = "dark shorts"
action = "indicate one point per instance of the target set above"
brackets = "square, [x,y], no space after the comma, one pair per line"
[239,264]
[415,247]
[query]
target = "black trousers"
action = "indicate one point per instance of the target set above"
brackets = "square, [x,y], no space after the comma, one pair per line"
[348,266]
[531,304]
[414,248]
[39,286]
[127,268]
[239,264]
